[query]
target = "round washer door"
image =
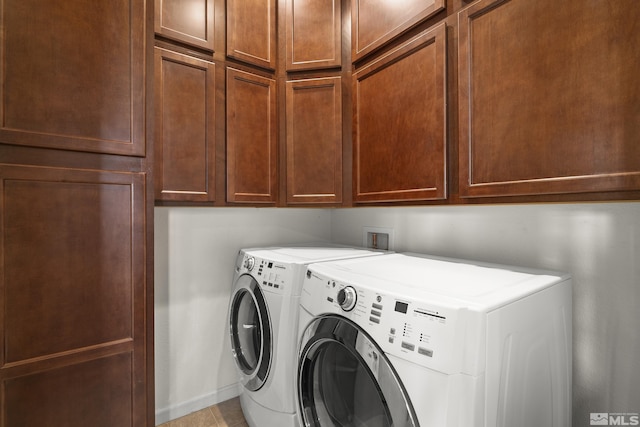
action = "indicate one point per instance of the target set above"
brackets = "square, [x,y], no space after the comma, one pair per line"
[344,379]
[250,329]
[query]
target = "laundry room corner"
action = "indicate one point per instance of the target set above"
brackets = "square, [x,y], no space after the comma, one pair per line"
[195,254]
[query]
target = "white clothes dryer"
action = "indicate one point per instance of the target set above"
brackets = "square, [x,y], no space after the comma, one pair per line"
[408,340]
[263,320]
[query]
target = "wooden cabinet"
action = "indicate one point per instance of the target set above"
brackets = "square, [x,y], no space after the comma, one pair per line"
[76,216]
[189,22]
[74,297]
[185,128]
[549,97]
[376,22]
[400,121]
[314,141]
[251,32]
[313,34]
[73,76]
[251,138]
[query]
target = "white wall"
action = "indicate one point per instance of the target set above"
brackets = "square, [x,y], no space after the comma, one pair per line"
[599,244]
[195,252]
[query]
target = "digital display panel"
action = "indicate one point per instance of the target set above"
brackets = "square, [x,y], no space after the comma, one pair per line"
[401,307]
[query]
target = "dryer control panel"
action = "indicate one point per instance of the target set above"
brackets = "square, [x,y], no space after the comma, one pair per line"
[271,276]
[403,321]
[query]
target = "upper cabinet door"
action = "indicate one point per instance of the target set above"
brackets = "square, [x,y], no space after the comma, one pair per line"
[189,22]
[251,138]
[73,75]
[185,128]
[549,97]
[375,22]
[313,34]
[400,121]
[251,32]
[314,141]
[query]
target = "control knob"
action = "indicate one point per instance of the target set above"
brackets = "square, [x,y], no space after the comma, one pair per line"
[249,263]
[347,298]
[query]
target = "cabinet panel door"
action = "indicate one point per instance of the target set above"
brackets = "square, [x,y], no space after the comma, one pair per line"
[251,31]
[251,138]
[185,128]
[73,75]
[72,347]
[314,141]
[314,30]
[375,22]
[400,123]
[189,22]
[548,97]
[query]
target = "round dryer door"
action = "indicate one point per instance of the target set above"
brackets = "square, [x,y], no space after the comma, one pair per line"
[344,379]
[250,330]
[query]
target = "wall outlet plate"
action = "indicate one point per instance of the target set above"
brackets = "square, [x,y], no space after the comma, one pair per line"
[378,238]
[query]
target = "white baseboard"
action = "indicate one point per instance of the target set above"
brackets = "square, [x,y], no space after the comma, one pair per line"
[164,415]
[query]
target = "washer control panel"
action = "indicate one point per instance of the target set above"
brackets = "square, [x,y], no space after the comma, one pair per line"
[402,324]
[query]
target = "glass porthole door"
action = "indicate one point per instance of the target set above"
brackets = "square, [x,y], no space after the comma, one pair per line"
[250,330]
[344,379]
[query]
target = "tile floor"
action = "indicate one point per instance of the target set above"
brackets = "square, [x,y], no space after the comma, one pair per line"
[225,414]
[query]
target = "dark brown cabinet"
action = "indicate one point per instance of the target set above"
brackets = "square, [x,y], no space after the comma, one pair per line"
[73,292]
[73,76]
[76,269]
[399,122]
[251,138]
[313,34]
[185,127]
[548,97]
[376,22]
[187,22]
[251,32]
[314,141]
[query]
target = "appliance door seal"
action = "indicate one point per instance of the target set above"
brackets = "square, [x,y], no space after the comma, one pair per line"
[251,332]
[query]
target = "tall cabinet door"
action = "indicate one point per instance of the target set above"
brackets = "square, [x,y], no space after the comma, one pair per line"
[72,347]
[72,75]
[76,214]
[251,138]
[185,127]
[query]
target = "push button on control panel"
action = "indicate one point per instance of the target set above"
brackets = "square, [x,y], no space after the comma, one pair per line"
[408,346]
[425,352]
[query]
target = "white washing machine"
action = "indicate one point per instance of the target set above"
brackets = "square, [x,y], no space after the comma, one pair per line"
[263,313]
[407,340]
